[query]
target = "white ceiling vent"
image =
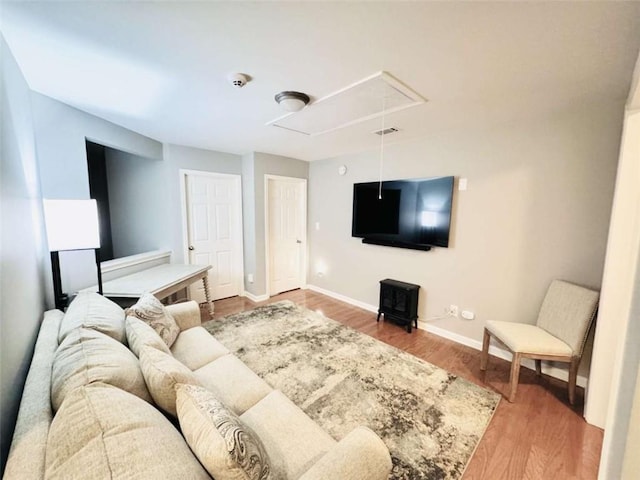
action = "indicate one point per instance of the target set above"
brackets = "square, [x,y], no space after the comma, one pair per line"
[386,131]
[364,100]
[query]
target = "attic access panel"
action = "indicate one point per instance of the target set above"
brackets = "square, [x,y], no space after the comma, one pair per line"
[364,100]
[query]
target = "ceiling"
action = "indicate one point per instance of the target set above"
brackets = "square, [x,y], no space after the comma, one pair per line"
[161,68]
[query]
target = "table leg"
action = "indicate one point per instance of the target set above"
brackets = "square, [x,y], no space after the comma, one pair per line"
[207,294]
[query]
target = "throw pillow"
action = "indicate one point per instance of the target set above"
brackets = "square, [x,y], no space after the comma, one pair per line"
[161,373]
[86,356]
[227,448]
[140,333]
[91,310]
[150,310]
[103,432]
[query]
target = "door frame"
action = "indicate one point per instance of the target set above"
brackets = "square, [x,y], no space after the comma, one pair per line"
[267,246]
[183,174]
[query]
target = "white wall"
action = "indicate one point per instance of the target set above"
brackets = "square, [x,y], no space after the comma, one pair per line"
[249,221]
[618,280]
[137,203]
[255,167]
[537,207]
[180,157]
[616,362]
[631,465]
[60,133]
[22,298]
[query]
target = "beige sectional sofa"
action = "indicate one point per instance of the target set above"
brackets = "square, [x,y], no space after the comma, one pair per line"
[91,407]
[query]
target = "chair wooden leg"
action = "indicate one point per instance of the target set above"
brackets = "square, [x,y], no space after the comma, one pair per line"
[539,367]
[484,357]
[573,376]
[515,376]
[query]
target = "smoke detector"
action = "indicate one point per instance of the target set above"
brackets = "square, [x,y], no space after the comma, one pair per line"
[238,80]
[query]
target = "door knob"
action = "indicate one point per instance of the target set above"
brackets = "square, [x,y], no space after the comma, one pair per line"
[191,247]
[298,241]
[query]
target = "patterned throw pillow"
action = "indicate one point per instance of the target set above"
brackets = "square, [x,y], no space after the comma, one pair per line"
[227,448]
[150,310]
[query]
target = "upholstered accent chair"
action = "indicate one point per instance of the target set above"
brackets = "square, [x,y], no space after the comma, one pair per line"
[559,334]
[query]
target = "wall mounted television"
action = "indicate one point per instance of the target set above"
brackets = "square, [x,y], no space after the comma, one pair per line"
[412,213]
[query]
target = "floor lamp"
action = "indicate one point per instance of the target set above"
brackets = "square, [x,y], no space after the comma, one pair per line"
[71,225]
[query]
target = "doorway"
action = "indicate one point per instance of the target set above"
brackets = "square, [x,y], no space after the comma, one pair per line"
[285,233]
[212,226]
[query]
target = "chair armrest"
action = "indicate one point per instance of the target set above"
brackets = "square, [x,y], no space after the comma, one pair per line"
[361,455]
[186,314]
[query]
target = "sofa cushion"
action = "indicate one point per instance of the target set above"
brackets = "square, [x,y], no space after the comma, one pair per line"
[94,311]
[235,384]
[161,373]
[103,432]
[292,440]
[150,310]
[196,347]
[139,333]
[361,454]
[186,314]
[86,356]
[29,443]
[227,448]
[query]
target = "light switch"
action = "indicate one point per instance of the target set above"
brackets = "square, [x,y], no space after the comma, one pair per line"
[462,184]
[317,225]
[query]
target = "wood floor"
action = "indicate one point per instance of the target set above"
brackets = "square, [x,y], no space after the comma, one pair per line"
[539,436]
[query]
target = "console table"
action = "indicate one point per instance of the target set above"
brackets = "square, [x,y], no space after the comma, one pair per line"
[399,302]
[161,281]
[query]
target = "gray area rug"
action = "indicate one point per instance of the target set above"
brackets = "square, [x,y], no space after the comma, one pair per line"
[430,420]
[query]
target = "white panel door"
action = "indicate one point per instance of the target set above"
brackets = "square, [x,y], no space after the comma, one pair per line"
[286,222]
[214,232]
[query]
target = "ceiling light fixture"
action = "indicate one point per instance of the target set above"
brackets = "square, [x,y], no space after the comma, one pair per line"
[292,101]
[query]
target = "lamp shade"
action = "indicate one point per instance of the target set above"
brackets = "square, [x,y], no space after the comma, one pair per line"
[71,224]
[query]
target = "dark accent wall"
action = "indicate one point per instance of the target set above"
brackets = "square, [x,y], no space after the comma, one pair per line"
[99,190]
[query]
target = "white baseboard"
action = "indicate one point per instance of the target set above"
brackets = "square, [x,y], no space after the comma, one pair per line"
[343,298]
[552,371]
[547,369]
[255,298]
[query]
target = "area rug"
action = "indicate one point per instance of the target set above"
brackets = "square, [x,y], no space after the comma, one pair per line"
[430,420]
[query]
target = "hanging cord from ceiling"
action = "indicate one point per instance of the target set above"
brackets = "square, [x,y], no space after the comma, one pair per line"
[384,101]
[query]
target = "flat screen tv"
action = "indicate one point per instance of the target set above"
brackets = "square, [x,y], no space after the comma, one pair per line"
[413,213]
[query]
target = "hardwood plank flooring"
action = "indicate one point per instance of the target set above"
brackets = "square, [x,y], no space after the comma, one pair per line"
[539,436]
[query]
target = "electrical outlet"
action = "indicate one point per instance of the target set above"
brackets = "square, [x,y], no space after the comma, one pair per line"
[250,278]
[468,315]
[453,311]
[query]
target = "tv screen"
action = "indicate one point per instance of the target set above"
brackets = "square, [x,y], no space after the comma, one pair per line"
[376,214]
[414,213]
